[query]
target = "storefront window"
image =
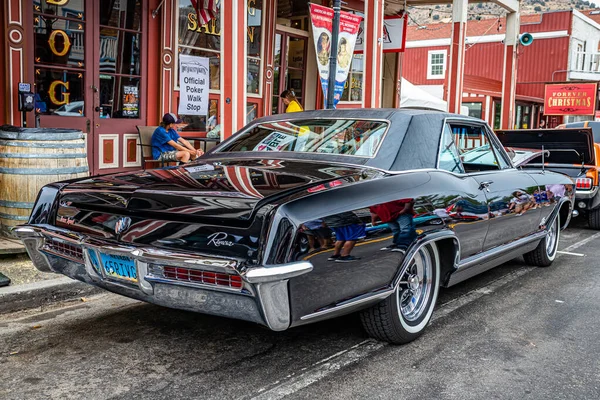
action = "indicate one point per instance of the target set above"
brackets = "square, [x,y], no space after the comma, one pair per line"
[353,87]
[201,41]
[523,117]
[59,37]
[254,41]
[251,112]
[120,54]
[475,109]
[497,114]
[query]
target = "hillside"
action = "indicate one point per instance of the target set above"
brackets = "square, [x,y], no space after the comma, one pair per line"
[430,14]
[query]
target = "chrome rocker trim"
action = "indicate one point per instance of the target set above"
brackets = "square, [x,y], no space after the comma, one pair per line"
[263,298]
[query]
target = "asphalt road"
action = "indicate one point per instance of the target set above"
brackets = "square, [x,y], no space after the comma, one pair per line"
[515,332]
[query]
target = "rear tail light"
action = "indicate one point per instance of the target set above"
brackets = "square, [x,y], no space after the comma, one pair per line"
[583,183]
[64,249]
[204,277]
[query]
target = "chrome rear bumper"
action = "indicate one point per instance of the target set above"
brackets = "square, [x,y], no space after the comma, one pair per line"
[262,296]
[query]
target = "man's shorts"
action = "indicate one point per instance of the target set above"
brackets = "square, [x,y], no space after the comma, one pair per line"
[168,156]
[350,232]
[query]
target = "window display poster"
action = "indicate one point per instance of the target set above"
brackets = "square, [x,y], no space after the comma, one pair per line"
[322,23]
[131,101]
[194,81]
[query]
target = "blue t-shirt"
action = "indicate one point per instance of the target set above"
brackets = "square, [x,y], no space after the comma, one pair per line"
[159,141]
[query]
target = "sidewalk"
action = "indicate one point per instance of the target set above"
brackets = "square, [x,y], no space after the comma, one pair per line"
[31,288]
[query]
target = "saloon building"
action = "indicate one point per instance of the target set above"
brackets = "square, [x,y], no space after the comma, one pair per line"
[107,66]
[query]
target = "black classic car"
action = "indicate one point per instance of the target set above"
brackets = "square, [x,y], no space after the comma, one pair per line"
[307,216]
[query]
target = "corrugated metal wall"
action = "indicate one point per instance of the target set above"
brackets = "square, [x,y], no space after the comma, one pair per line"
[414,65]
[536,63]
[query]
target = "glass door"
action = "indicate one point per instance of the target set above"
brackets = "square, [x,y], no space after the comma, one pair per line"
[289,68]
[62,54]
[118,82]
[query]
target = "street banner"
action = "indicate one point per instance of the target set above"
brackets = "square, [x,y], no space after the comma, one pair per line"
[394,35]
[570,98]
[322,24]
[194,79]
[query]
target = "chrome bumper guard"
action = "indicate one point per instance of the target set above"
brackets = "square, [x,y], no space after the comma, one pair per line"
[263,297]
[581,194]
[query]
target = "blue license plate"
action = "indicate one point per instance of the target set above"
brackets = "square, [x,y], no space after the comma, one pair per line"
[120,267]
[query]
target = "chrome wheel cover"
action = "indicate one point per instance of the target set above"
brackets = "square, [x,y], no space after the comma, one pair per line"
[416,285]
[551,238]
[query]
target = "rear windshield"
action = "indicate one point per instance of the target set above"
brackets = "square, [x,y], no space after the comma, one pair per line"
[333,136]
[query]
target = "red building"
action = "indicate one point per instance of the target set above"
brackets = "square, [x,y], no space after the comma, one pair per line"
[107,66]
[565,48]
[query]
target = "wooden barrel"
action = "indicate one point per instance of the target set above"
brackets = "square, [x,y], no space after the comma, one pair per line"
[30,159]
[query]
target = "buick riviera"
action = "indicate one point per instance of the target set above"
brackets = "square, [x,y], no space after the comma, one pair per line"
[307,216]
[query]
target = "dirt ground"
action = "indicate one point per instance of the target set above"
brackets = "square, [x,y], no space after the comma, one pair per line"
[20,269]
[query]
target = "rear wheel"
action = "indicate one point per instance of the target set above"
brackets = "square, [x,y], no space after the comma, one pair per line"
[403,316]
[594,219]
[545,253]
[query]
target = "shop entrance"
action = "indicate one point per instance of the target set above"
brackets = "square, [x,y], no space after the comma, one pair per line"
[89,74]
[289,67]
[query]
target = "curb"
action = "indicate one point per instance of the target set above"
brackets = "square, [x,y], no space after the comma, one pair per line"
[43,293]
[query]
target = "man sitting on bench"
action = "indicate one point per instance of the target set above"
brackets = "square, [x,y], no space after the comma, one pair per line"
[168,146]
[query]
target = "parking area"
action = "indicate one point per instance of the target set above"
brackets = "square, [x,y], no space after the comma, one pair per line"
[513,332]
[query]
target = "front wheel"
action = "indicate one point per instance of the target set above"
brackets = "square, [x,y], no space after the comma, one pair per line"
[545,253]
[403,316]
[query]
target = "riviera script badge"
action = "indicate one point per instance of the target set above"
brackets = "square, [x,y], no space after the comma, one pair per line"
[218,239]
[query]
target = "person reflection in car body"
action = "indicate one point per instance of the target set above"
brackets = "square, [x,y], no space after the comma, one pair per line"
[399,216]
[348,229]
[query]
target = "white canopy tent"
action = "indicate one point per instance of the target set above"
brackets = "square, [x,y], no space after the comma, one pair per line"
[412,96]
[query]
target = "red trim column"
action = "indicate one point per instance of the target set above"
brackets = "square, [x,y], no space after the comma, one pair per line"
[373,53]
[456,71]
[234,20]
[17,63]
[269,21]
[168,62]
[154,69]
[509,81]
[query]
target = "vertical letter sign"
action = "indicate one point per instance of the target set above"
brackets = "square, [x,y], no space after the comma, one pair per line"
[193,85]
[322,23]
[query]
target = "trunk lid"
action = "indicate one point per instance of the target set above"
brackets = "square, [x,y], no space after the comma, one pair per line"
[573,146]
[221,207]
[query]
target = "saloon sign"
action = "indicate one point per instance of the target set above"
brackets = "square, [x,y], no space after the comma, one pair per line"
[570,99]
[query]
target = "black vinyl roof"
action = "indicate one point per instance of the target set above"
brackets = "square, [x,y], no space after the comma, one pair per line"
[412,140]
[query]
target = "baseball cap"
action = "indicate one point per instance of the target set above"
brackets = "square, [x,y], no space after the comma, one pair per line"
[170,118]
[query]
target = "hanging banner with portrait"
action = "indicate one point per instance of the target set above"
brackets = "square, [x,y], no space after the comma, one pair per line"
[322,24]
[194,80]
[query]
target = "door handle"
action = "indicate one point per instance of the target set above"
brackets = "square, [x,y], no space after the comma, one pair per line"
[97,109]
[485,185]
